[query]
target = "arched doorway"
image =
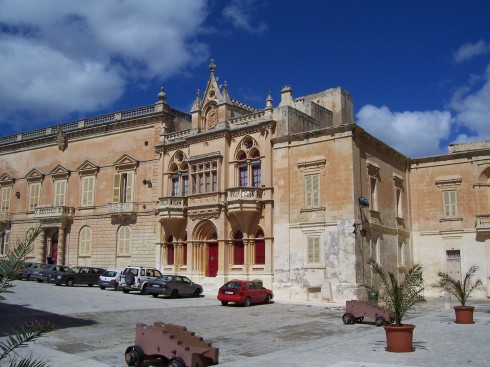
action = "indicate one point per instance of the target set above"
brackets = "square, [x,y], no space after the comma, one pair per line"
[206,248]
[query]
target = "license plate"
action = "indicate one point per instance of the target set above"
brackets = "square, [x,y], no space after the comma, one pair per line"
[228,292]
[156,286]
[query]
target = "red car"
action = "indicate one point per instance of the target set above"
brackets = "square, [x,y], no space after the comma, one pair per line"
[244,292]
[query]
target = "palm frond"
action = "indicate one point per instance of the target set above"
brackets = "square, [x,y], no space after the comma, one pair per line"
[28,361]
[21,337]
[461,290]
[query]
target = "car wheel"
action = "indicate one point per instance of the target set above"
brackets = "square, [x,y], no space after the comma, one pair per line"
[102,288]
[224,303]
[134,356]
[267,299]
[90,285]
[129,278]
[144,290]
[155,295]
[348,319]
[174,294]
[125,290]
[197,292]
[40,280]
[248,302]
[28,277]
[70,282]
[58,284]
[379,321]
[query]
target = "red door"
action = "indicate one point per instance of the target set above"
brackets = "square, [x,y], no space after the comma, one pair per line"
[54,252]
[212,259]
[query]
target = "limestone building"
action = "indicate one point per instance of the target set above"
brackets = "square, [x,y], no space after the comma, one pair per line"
[293,193]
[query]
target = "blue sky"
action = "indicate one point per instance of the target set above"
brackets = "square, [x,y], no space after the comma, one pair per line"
[418,71]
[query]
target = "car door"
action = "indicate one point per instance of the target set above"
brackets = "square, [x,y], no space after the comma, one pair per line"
[254,293]
[184,285]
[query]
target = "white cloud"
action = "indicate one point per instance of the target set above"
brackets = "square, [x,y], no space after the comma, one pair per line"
[412,133]
[63,57]
[241,13]
[469,51]
[472,106]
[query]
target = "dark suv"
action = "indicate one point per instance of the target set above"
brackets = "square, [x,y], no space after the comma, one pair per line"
[135,278]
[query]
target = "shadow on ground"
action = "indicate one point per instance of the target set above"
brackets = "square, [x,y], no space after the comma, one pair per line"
[12,317]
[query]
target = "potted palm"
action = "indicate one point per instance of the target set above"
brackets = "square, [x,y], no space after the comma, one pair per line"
[398,298]
[462,291]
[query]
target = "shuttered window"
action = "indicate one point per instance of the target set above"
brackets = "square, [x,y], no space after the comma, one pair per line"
[5,204]
[124,240]
[59,192]
[313,250]
[450,208]
[85,241]
[123,187]
[312,191]
[88,183]
[34,195]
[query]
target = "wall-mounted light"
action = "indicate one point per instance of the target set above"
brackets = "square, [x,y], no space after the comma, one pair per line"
[363,202]
[147,182]
[17,195]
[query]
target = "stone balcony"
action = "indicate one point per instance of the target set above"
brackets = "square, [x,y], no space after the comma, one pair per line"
[60,215]
[483,223]
[244,199]
[172,207]
[122,209]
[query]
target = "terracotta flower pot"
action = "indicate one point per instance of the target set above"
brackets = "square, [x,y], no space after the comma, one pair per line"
[464,314]
[399,338]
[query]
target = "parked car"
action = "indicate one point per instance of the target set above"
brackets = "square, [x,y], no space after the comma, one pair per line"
[244,292]
[111,278]
[80,275]
[28,268]
[47,272]
[136,278]
[173,286]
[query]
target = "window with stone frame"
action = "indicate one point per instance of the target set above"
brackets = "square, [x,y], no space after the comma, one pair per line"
[259,250]
[311,170]
[123,241]
[85,241]
[401,254]
[60,192]
[6,193]
[204,177]
[448,187]
[312,191]
[4,241]
[313,250]
[375,250]
[179,175]
[123,187]
[374,177]
[398,184]
[34,195]
[88,190]
[238,249]
[248,163]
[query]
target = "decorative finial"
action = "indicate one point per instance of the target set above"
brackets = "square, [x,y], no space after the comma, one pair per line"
[162,96]
[198,93]
[212,66]
[269,100]
[225,85]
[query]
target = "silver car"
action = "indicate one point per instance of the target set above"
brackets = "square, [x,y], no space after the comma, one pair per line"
[173,286]
[111,278]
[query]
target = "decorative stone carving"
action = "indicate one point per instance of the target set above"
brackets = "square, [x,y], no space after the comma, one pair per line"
[61,140]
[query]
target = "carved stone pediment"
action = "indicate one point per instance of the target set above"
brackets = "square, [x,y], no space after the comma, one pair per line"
[60,172]
[6,180]
[34,175]
[126,162]
[88,168]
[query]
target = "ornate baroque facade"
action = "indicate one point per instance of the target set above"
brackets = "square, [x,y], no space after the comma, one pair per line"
[296,194]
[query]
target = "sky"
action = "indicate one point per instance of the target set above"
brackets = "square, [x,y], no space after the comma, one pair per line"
[418,71]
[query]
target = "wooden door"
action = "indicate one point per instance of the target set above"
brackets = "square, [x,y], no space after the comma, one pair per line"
[212,259]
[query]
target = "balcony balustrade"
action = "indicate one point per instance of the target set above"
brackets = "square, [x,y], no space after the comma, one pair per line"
[122,208]
[483,223]
[54,214]
[244,199]
[172,207]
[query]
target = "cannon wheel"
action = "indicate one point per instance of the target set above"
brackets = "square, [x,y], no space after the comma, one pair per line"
[379,321]
[134,356]
[177,362]
[348,319]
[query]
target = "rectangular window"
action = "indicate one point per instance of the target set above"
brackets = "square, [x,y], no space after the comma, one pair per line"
[243,169]
[375,253]
[313,250]
[450,208]
[175,185]
[256,174]
[59,192]
[4,240]
[123,187]
[34,195]
[312,191]
[5,204]
[204,178]
[401,255]
[185,183]
[88,183]
[374,193]
[399,211]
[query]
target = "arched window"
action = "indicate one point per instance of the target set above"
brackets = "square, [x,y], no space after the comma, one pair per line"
[179,175]
[248,164]
[238,249]
[124,240]
[259,248]
[85,241]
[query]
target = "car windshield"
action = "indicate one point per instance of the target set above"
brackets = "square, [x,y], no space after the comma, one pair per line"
[165,278]
[233,285]
[46,266]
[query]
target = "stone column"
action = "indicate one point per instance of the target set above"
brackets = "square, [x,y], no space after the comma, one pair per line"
[41,248]
[61,246]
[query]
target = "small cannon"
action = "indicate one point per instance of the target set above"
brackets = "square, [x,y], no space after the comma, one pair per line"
[356,311]
[172,343]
